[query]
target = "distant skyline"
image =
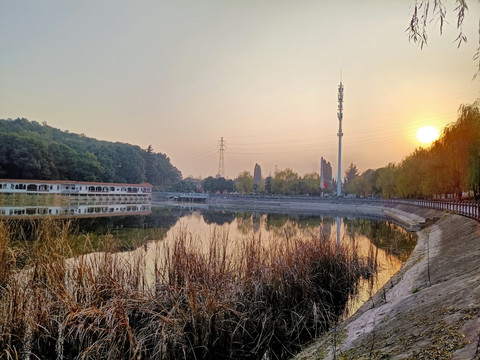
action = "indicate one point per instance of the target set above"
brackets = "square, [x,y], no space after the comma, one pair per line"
[179,75]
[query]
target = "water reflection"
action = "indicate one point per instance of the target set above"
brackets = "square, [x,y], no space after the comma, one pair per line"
[385,243]
[145,234]
[338,231]
[156,223]
[261,266]
[71,210]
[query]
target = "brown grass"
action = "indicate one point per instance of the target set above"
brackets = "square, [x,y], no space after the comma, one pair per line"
[265,298]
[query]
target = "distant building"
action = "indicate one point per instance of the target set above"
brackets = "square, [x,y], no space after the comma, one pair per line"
[257,174]
[326,171]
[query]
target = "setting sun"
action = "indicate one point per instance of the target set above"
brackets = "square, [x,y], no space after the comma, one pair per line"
[427,134]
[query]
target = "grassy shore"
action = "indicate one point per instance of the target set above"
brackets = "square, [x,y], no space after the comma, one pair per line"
[267,298]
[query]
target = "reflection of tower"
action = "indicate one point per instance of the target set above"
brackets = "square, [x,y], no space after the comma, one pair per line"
[256,218]
[340,134]
[222,145]
[338,231]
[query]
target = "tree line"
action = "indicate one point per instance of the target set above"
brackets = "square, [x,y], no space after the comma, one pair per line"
[283,182]
[451,165]
[30,150]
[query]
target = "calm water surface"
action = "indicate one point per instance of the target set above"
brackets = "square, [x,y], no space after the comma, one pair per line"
[147,231]
[388,243]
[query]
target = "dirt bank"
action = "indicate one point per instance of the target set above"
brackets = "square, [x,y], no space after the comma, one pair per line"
[429,310]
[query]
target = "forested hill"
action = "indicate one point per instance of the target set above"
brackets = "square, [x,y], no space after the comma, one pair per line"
[29,150]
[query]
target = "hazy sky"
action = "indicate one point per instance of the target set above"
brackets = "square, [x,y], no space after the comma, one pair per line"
[178,75]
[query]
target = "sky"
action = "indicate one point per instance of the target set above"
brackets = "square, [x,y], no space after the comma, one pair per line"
[263,74]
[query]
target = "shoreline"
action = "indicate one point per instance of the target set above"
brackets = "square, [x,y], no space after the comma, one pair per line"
[430,309]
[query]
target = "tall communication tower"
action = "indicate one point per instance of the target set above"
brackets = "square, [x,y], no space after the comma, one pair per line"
[222,145]
[340,134]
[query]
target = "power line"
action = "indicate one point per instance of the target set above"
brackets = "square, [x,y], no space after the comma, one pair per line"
[222,145]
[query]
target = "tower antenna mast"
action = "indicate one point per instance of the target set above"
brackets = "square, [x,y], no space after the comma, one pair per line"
[340,134]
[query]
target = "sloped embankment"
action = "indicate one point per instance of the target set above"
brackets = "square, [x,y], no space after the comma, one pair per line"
[429,310]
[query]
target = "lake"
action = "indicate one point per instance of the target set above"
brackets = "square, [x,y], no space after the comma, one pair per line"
[389,243]
[191,281]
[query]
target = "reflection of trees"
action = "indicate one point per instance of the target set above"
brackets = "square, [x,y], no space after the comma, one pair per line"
[306,221]
[276,221]
[315,225]
[325,228]
[158,218]
[384,235]
[130,231]
[218,217]
[244,222]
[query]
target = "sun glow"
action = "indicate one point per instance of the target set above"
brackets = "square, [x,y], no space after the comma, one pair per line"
[427,134]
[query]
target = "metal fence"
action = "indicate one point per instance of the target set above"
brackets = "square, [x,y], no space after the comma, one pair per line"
[469,209]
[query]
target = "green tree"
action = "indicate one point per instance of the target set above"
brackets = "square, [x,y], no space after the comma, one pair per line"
[311,183]
[244,182]
[186,185]
[473,112]
[350,174]
[386,181]
[31,150]
[268,185]
[360,186]
[449,166]
[211,184]
[86,167]
[24,157]
[412,175]
[285,182]
[461,144]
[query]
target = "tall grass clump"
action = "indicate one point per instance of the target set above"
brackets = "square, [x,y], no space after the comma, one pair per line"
[219,298]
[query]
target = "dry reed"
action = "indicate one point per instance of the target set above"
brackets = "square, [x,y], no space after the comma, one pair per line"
[263,300]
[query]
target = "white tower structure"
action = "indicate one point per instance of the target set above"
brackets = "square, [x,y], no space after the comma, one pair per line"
[340,134]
